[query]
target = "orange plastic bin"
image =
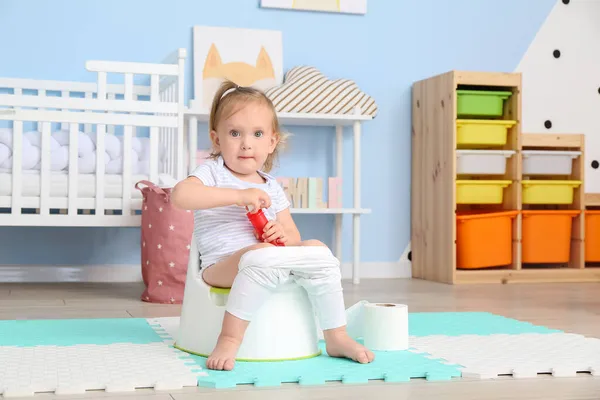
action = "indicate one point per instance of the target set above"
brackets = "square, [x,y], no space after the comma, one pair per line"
[484,239]
[592,236]
[547,235]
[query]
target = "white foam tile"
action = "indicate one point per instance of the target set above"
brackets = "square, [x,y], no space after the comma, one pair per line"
[522,356]
[167,325]
[121,367]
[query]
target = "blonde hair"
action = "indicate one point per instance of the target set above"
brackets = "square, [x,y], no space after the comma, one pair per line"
[228,96]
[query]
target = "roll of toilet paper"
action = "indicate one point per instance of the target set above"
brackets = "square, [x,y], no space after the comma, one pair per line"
[355,319]
[385,326]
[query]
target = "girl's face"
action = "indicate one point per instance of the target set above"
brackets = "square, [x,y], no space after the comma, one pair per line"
[246,138]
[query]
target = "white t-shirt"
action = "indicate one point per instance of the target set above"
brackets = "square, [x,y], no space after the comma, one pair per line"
[222,231]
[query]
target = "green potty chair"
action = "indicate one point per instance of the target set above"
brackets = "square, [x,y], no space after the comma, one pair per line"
[284,328]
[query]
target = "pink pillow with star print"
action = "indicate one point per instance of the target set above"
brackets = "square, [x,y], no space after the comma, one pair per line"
[166,235]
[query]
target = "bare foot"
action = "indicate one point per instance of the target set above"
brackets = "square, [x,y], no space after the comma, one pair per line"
[339,344]
[223,356]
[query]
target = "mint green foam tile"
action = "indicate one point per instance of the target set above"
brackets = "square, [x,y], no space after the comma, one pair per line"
[69,332]
[469,323]
[397,366]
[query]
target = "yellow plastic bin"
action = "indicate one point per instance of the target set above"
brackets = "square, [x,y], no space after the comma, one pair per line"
[470,191]
[480,132]
[548,191]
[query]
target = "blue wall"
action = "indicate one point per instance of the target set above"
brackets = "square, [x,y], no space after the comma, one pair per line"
[396,43]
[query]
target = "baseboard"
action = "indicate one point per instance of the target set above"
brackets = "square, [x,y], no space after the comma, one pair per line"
[132,273]
[65,273]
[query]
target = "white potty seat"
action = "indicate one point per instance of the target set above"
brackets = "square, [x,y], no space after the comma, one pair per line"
[284,328]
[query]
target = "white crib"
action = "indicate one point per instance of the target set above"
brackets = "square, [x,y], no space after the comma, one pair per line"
[79,164]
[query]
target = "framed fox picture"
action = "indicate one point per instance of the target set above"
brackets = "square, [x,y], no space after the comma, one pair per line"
[248,57]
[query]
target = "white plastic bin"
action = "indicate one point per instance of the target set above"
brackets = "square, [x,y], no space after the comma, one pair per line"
[548,162]
[482,162]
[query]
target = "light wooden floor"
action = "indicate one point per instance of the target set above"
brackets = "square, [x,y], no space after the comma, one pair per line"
[570,307]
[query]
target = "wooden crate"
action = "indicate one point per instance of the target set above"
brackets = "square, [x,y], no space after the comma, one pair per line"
[433,185]
[542,141]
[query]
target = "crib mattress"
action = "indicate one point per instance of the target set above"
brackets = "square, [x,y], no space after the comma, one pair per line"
[59,186]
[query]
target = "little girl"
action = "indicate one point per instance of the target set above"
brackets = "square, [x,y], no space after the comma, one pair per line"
[245,136]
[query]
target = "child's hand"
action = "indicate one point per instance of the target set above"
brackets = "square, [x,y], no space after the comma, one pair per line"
[253,197]
[274,232]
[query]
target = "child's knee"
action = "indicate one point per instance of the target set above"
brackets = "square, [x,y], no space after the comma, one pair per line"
[313,242]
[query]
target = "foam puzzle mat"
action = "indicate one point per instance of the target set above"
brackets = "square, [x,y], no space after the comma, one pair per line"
[121,355]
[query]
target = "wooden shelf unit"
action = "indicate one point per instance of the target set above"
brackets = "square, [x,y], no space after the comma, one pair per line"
[433,185]
[592,199]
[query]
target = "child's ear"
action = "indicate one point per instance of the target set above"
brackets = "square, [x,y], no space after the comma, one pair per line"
[274,141]
[214,138]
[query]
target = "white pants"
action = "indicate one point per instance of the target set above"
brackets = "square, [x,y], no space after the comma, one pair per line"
[314,268]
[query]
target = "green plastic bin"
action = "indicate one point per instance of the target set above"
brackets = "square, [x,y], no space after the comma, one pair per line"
[482,103]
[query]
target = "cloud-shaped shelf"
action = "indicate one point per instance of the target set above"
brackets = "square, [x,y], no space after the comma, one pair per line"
[306,90]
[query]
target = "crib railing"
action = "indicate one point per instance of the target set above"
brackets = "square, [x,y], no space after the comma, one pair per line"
[105,106]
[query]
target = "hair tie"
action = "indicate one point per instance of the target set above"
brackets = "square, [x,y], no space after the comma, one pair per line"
[233,89]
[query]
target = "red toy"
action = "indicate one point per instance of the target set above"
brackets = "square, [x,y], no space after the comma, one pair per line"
[258,221]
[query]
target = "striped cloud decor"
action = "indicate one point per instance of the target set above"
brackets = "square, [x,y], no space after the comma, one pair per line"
[307,90]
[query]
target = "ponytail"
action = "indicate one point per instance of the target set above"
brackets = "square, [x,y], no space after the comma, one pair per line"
[225,86]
